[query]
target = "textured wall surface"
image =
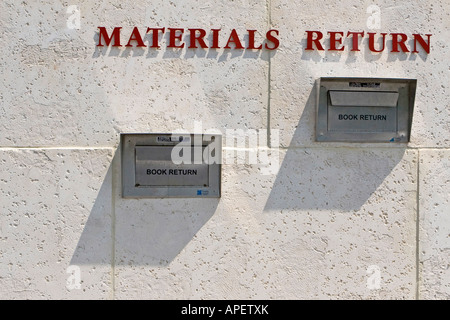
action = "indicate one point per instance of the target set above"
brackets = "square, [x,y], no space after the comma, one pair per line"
[325,221]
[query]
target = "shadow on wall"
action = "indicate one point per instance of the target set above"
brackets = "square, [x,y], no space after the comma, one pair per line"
[341,177]
[138,231]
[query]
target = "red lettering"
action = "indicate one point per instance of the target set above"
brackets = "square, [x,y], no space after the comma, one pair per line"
[251,40]
[425,46]
[396,42]
[310,40]
[115,35]
[155,36]
[234,38]
[372,41]
[135,36]
[271,38]
[333,41]
[199,38]
[215,38]
[355,39]
[174,37]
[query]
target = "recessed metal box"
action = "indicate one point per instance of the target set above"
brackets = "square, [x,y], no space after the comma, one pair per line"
[365,109]
[171,165]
